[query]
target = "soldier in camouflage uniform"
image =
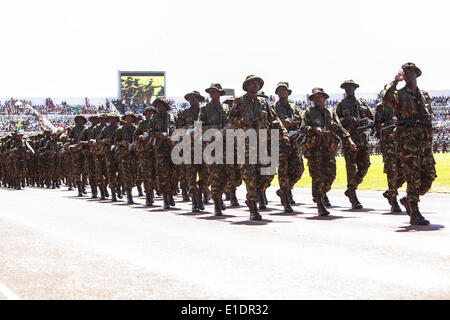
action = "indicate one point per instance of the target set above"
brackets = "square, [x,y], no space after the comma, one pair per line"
[212,116]
[77,155]
[354,113]
[106,141]
[414,133]
[384,120]
[321,126]
[185,120]
[123,141]
[159,132]
[51,154]
[253,112]
[99,156]
[146,155]
[290,167]
[233,172]
[87,140]
[17,158]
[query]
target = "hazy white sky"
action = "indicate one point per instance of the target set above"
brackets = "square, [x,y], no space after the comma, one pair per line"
[74,48]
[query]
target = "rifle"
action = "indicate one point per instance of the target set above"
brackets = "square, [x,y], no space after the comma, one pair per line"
[360,130]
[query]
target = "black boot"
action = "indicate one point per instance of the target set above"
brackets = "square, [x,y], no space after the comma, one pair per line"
[351,194]
[323,212]
[185,194]
[199,201]
[70,186]
[265,198]
[106,192]
[262,201]
[171,200]
[227,196]
[94,191]
[102,193]
[222,205]
[149,198]
[80,191]
[291,198]
[129,197]
[139,188]
[84,189]
[217,207]
[253,208]
[195,207]
[166,202]
[233,199]
[113,195]
[206,197]
[326,202]
[286,204]
[416,217]
[394,206]
[119,192]
[405,203]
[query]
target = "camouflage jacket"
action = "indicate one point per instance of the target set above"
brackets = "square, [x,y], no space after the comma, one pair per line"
[124,133]
[384,114]
[212,115]
[350,108]
[327,120]
[186,117]
[256,114]
[408,104]
[290,112]
[76,132]
[143,126]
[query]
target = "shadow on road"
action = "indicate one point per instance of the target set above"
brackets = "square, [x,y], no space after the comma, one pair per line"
[431,227]
[217,217]
[329,218]
[257,223]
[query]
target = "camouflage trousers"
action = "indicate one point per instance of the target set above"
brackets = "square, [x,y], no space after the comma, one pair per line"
[100,170]
[233,177]
[163,169]
[77,167]
[125,168]
[89,169]
[111,169]
[217,176]
[290,169]
[147,170]
[322,169]
[418,166]
[392,167]
[357,164]
[200,185]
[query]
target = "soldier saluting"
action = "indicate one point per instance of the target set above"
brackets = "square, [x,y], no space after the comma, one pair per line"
[415,135]
[320,126]
[354,113]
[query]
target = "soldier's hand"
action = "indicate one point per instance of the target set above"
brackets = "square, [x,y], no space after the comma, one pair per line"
[286,139]
[318,131]
[353,146]
[399,76]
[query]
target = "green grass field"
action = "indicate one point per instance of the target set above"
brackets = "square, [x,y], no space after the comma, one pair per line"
[376,179]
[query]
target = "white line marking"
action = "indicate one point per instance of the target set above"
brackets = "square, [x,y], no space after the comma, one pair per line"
[8,293]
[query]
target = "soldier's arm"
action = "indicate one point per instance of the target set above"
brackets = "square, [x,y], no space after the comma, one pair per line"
[306,127]
[389,95]
[340,130]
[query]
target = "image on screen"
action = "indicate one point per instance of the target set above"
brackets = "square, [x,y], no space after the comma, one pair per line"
[141,87]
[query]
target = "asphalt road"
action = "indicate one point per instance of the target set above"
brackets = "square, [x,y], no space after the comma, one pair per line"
[57,246]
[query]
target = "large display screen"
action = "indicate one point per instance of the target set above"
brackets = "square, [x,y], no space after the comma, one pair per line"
[141,87]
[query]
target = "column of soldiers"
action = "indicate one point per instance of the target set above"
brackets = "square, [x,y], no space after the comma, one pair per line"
[126,152]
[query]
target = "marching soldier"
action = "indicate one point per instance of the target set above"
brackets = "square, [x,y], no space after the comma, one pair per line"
[354,113]
[414,133]
[159,131]
[252,112]
[123,141]
[321,126]
[77,156]
[384,120]
[212,115]
[291,163]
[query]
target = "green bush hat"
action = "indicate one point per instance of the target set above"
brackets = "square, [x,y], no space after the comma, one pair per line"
[316,91]
[349,83]
[283,84]
[250,78]
[410,65]
[215,86]
[194,93]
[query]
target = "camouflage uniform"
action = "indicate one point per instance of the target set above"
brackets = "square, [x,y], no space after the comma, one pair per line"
[122,140]
[212,116]
[89,160]
[414,134]
[77,156]
[291,167]
[384,117]
[159,131]
[321,150]
[354,113]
